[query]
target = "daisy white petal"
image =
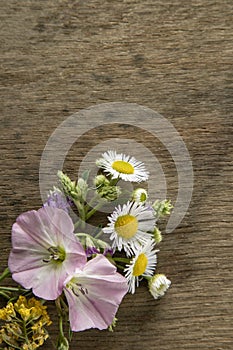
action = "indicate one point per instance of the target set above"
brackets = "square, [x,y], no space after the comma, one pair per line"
[142,265]
[122,166]
[129,225]
[158,285]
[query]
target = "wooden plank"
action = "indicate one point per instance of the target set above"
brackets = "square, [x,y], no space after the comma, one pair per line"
[175,57]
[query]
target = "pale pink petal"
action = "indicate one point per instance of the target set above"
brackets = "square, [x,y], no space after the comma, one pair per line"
[106,267]
[46,282]
[33,234]
[99,290]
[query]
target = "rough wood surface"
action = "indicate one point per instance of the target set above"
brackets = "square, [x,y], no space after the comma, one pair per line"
[175,57]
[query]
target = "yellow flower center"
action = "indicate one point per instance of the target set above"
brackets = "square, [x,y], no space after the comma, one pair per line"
[123,167]
[140,265]
[126,226]
[143,197]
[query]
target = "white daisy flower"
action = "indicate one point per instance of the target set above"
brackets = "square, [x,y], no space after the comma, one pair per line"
[142,265]
[129,226]
[158,285]
[140,195]
[122,166]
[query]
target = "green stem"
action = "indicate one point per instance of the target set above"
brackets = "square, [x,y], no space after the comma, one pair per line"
[5,295]
[25,332]
[80,208]
[92,201]
[62,341]
[76,225]
[64,305]
[82,234]
[14,289]
[11,345]
[99,234]
[59,311]
[148,278]
[123,260]
[6,273]
[94,210]
[82,214]
[61,325]
[113,182]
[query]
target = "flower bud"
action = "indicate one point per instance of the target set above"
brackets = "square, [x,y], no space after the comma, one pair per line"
[158,285]
[162,208]
[140,195]
[157,235]
[68,186]
[100,180]
[110,193]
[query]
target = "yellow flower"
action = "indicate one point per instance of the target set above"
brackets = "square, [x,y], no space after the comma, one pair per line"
[24,314]
[20,302]
[7,312]
[13,329]
[32,309]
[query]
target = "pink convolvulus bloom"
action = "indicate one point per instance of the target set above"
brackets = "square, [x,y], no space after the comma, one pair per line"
[44,251]
[94,294]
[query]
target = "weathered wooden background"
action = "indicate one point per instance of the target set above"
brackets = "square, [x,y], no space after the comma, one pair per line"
[175,57]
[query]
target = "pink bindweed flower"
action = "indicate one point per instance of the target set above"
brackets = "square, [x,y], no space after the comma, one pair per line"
[94,293]
[44,251]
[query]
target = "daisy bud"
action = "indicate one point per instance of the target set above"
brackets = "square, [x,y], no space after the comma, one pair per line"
[139,195]
[157,235]
[158,285]
[81,189]
[100,180]
[162,208]
[110,193]
[68,186]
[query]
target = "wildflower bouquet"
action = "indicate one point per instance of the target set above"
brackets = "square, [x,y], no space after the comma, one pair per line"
[53,256]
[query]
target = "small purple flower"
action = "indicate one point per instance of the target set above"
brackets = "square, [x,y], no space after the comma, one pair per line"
[94,294]
[93,250]
[44,251]
[109,251]
[57,199]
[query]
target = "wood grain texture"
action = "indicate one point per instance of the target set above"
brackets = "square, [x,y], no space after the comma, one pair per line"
[59,56]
